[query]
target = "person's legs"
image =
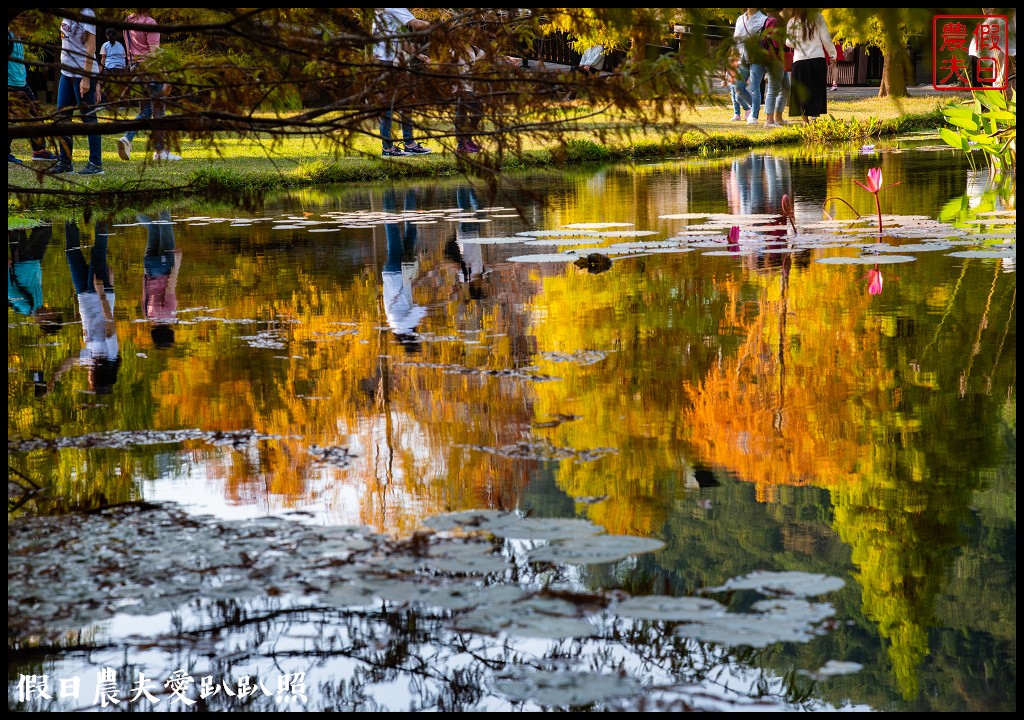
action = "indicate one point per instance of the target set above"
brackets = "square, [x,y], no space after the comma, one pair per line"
[407,136]
[757,180]
[26,96]
[159,110]
[461,120]
[76,259]
[385,130]
[165,232]
[782,99]
[89,102]
[735,102]
[740,84]
[774,89]
[754,88]
[68,99]
[145,113]
[98,267]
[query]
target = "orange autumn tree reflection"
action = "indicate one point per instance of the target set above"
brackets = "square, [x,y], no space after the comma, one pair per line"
[340,380]
[778,413]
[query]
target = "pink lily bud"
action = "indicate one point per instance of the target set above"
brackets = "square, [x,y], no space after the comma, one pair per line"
[734,234]
[787,207]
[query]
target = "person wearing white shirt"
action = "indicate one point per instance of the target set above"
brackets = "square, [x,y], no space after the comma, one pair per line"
[391,51]
[813,51]
[94,285]
[399,270]
[751,70]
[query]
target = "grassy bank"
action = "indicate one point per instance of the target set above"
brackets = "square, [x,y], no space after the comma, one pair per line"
[235,166]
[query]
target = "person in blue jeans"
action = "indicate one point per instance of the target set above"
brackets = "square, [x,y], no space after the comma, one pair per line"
[740,107]
[399,53]
[399,270]
[777,93]
[750,72]
[94,284]
[76,90]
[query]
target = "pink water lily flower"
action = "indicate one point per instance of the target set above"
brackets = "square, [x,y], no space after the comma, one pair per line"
[734,234]
[874,187]
[874,181]
[874,277]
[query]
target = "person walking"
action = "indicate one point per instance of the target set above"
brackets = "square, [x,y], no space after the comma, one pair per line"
[113,61]
[740,106]
[21,96]
[392,21]
[399,271]
[76,90]
[750,73]
[468,108]
[94,285]
[813,50]
[25,252]
[833,68]
[777,92]
[161,264]
[140,45]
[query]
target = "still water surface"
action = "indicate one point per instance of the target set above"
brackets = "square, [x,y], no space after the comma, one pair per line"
[375,356]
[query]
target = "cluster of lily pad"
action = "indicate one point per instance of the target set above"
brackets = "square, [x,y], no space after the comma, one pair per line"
[480,573]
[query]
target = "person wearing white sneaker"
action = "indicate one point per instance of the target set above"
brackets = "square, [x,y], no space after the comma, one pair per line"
[747,36]
[140,44]
[389,22]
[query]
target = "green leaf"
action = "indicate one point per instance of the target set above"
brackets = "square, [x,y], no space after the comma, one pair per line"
[954,139]
[993,99]
[967,123]
[958,111]
[1001,116]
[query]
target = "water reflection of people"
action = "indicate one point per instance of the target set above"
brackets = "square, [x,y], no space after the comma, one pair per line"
[94,284]
[25,276]
[161,263]
[399,271]
[467,255]
[757,182]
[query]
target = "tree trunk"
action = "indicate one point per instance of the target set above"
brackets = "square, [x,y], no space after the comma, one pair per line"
[895,68]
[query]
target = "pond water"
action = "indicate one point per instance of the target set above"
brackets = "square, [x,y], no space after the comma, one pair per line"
[775,471]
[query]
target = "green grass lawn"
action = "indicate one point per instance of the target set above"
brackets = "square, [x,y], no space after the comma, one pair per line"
[233,164]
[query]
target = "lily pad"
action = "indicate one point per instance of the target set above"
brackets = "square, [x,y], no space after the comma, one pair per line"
[783,583]
[492,240]
[545,258]
[674,609]
[563,688]
[595,550]
[511,525]
[879,259]
[985,254]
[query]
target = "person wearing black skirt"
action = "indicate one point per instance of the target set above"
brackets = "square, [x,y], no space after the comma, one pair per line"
[813,52]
